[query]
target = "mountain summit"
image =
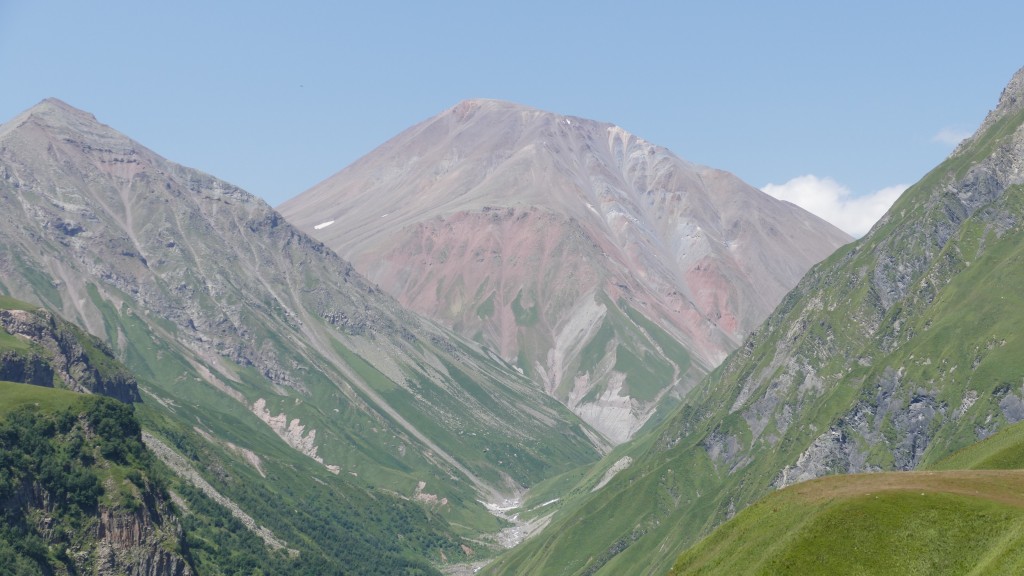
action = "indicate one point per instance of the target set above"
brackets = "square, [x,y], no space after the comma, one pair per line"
[604,266]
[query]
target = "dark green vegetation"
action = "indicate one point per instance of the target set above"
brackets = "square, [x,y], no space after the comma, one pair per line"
[70,461]
[71,465]
[897,351]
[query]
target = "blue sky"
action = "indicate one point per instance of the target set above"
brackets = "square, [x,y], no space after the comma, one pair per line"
[827,101]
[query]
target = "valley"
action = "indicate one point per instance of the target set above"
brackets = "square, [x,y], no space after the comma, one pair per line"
[505,340]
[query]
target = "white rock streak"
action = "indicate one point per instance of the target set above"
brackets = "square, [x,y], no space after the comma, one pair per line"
[292,432]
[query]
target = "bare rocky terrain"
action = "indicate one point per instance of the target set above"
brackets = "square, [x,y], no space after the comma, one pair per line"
[572,248]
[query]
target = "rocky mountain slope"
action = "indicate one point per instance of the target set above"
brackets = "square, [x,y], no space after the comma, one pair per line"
[894,352]
[39,348]
[603,266]
[82,489]
[256,344]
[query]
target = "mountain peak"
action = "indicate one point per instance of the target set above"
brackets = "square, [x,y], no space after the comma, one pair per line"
[56,108]
[57,103]
[470,108]
[54,115]
[1012,98]
[1011,102]
[547,236]
[488,103]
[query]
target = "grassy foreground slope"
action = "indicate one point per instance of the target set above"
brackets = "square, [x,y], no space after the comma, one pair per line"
[955,522]
[941,521]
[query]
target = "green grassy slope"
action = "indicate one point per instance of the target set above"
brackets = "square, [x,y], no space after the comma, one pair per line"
[956,522]
[333,523]
[329,524]
[1003,451]
[895,352]
[964,515]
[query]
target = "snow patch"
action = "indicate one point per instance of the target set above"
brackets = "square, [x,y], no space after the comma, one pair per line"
[548,503]
[323,225]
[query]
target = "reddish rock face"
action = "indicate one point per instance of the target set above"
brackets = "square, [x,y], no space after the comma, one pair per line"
[539,235]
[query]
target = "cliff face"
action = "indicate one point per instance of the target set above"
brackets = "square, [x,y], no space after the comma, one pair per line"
[132,542]
[117,541]
[56,353]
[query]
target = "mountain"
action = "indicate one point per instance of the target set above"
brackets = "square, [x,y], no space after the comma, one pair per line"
[896,351]
[290,384]
[603,266]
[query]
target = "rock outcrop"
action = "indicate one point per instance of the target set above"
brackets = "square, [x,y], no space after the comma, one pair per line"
[59,354]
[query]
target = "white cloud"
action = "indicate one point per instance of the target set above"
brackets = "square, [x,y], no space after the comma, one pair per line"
[831,201]
[950,136]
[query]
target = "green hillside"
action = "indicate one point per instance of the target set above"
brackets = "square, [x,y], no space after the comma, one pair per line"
[83,456]
[322,521]
[894,353]
[965,515]
[956,522]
